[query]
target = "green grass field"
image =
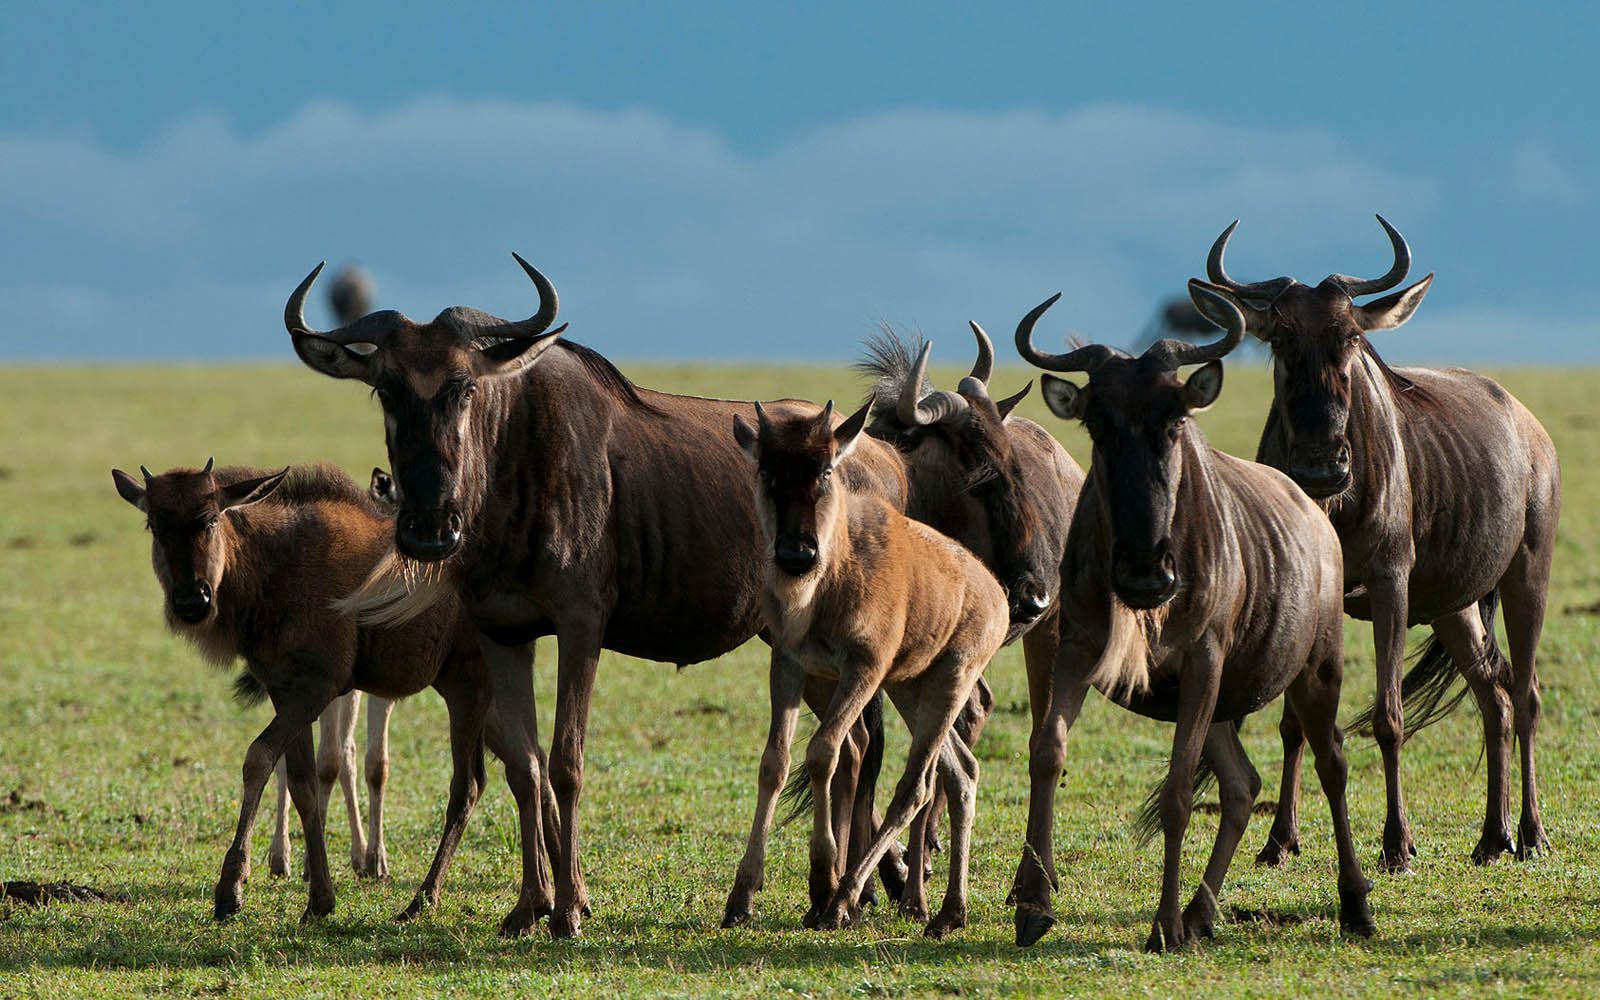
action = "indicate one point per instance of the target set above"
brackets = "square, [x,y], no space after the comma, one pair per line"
[120,753]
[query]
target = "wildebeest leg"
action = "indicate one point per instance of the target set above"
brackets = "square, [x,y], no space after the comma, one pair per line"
[785,680]
[578,656]
[1284,839]
[1389,610]
[1463,636]
[510,670]
[1315,694]
[929,703]
[819,695]
[278,853]
[959,770]
[1039,653]
[377,774]
[969,726]
[470,727]
[1238,784]
[1197,698]
[336,763]
[300,758]
[1047,752]
[855,688]
[1524,590]
[260,761]
[914,895]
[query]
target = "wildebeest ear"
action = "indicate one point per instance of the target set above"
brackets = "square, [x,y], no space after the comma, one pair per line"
[749,440]
[1255,320]
[1391,310]
[1064,398]
[1005,406]
[129,488]
[333,358]
[382,488]
[249,491]
[515,355]
[1203,387]
[848,433]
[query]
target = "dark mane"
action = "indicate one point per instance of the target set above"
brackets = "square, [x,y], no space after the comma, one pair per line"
[1397,382]
[605,373]
[887,359]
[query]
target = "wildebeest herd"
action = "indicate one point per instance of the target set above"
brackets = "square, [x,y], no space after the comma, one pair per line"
[534,490]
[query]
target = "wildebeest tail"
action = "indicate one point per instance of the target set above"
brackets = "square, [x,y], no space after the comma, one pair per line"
[1148,822]
[797,799]
[1428,691]
[247,690]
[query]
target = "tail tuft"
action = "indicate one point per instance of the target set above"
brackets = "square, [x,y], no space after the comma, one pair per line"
[248,691]
[1428,691]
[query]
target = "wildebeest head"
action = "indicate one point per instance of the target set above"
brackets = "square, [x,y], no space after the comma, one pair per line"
[426,376]
[964,438]
[1317,336]
[189,547]
[797,499]
[1136,411]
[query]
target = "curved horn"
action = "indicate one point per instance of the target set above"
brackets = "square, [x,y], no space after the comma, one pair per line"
[209,463]
[147,475]
[294,314]
[1180,352]
[1249,290]
[1084,359]
[549,304]
[984,366]
[1397,272]
[915,410]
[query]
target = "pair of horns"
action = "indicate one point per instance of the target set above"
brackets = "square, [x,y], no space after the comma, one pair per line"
[1272,289]
[373,329]
[915,410]
[1171,352]
[205,471]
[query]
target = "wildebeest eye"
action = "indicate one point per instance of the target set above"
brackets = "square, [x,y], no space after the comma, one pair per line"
[468,390]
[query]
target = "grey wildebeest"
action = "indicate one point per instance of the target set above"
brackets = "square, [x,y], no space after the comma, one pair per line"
[251,565]
[556,497]
[1445,492]
[1196,588]
[861,594]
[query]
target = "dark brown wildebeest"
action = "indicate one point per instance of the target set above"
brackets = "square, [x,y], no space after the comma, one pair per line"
[1445,492]
[1197,587]
[558,498]
[861,594]
[251,565]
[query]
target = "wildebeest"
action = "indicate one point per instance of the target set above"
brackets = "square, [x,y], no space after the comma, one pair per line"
[861,594]
[251,564]
[559,498]
[994,481]
[1196,588]
[1445,492]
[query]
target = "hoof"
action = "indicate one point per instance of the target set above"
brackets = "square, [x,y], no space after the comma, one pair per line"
[566,924]
[833,918]
[229,900]
[1490,847]
[1275,854]
[413,911]
[1359,924]
[375,866]
[893,875]
[519,921]
[1199,921]
[737,910]
[316,910]
[1531,841]
[1162,941]
[1033,922]
[913,909]
[277,867]
[945,923]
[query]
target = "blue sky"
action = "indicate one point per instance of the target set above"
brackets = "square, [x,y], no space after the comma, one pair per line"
[750,181]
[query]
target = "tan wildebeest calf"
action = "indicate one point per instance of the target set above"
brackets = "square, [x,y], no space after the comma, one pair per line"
[858,592]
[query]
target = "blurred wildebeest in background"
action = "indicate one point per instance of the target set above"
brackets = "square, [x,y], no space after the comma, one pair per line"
[1197,587]
[1177,318]
[1445,492]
